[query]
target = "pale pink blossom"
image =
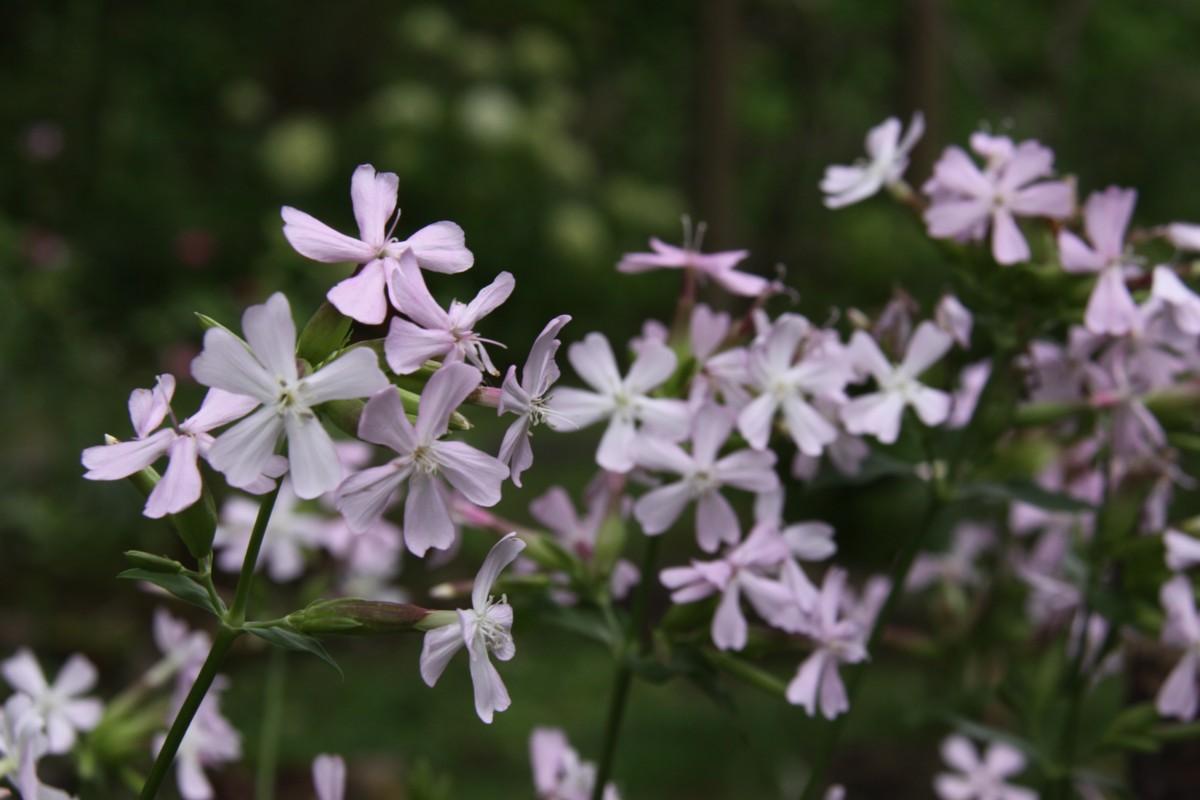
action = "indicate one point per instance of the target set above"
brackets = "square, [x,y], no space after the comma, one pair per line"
[625,402]
[558,771]
[484,628]
[983,778]
[529,398]
[329,777]
[183,443]
[264,368]
[967,200]
[292,533]
[62,708]
[878,413]
[424,462]
[1111,309]
[1181,302]
[440,247]
[22,745]
[1178,695]
[838,640]
[1182,552]
[719,374]
[210,742]
[955,319]
[743,568]
[720,267]
[703,473]
[1184,235]
[971,382]
[432,332]
[806,541]
[887,159]
[183,650]
[956,566]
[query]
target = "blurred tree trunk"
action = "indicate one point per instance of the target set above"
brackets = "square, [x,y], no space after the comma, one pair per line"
[715,144]
[924,41]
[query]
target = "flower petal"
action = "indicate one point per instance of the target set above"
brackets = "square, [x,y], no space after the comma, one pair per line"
[353,374]
[503,553]
[315,468]
[243,451]
[271,334]
[180,485]
[658,509]
[110,462]
[438,648]
[473,472]
[314,239]
[227,363]
[443,394]
[374,198]
[427,520]
[362,297]
[441,247]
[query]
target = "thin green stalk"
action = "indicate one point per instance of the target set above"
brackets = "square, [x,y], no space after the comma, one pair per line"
[898,576]
[272,723]
[237,612]
[637,642]
[224,639]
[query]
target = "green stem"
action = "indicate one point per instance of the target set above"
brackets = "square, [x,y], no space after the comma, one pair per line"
[237,612]
[637,642]
[898,576]
[224,639]
[272,722]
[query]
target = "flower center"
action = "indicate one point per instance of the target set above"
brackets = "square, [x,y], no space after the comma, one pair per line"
[425,460]
[494,635]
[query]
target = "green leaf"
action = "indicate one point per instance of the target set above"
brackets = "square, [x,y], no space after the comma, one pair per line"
[325,333]
[1025,492]
[180,586]
[299,642]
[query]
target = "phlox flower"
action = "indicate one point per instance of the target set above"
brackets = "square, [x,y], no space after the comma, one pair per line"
[528,398]
[967,199]
[1106,215]
[742,569]
[181,485]
[721,267]
[423,462]
[1182,552]
[434,332]
[887,159]
[329,777]
[1178,696]
[264,368]
[558,771]
[22,745]
[702,476]
[484,628]
[838,639]
[878,413]
[61,707]
[980,778]
[625,402]
[440,247]
[291,533]
[790,378]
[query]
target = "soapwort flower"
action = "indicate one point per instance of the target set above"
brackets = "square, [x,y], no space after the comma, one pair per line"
[329,777]
[720,267]
[61,707]
[980,778]
[484,628]
[264,368]
[1106,216]
[887,159]
[528,398]
[22,745]
[558,771]
[839,639]
[1178,696]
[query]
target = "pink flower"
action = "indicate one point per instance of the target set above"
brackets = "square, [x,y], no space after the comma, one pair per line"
[292,533]
[702,475]
[210,741]
[264,368]
[966,199]
[957,565]
[971,382]
[806,541]
[1184,235]
[1182,550]
[435,332]
[439,247]
[888,159]
[1106,217]
[720,267]
[981,779]
[329,777]
[1178,697]
[183,649]
[528,398]
[838,640]
[23,744]
[424,462]
[484,628]
[955,319]
[878,413]
[558,772]
[624,402]
[1182,303]
[61,708]
[181,485]
[742,568]
[719,373]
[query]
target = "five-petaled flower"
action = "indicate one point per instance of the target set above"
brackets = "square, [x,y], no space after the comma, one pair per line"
[888,159]
[720,267]
[1106,216]
[61,707]
[528,398]
[981,778]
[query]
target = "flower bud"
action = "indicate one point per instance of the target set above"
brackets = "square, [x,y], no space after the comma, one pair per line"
[154,563]
[349,615]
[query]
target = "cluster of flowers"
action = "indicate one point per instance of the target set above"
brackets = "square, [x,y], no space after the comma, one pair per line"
[700,412]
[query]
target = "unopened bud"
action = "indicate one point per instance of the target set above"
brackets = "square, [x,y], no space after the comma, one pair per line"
[351,615]
[154,563]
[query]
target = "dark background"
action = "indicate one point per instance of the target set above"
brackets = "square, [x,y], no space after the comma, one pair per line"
[145,149]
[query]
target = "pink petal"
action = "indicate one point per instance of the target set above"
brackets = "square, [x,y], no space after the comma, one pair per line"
[409,294]
[488,300]
[438,648]
[1106,218]
[110,462]
[503,553]
[547,747]
[926,347]
[802,690]
[374,198]
[477,475]
[595,363]
[227,363]
[540,370]
[1111,308]
[1178,697]
[515,450]
[24,674]
[364,496]
[329,777]
[1054,199]
[490,693]
[314,239]
[931,405]
[409,346]
[243,451]
[441,247]
[362,297]
[958,752]
[808,427]
[658,509]
[180,485]
[1008,244]
[353,374]
[572,409]
[313,460]
[427,521]
[1077,256]
[149,407]
[218,408]
[716,522]
[754,421]
[877,414]
[653,365]
[729,627]
[748,470]
[443,394]
[384,422]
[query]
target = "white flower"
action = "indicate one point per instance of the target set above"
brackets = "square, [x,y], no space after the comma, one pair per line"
[981,779]
[22,745]
[838,638]
[528,398]
[888,153]
[61,706]
[290,534]
[1182,550]
[264,367]
[183,649]
[484,628]
[209,742]
[329,777]
[558,771]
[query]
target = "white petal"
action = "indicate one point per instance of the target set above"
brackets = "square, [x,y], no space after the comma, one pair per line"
[271,333]
[110,462]
[374,198]
[473,472]
[316,240]
[503,553]
[24,674]
[329,777]
[364,496]
[427,521]
[353,374]
[227,363]
[439,647]
[658,509]
[654,365]
[490,693]
[443,394]
[618,446]
[593,359]
[243,451]
[441,247]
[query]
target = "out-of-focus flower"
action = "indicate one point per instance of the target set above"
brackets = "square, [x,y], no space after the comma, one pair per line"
[955,319]
[440,247]
[424,462]
[971,383]
[887,159]
[702,475]
[558,772]
[210,741]
[720,267]
[806,541]
[61,707]
[625,402]
[183,649]
[965,200]
[980,778]
[956,566]
[838,640]
[1178,696]
[264,368]
[878,413]
[528,398]
[329,777]
[1184,235]
[1106,216]
[22,745]
[1182,550]
[1182,303]
[484,628]
[291,532]
[435,332]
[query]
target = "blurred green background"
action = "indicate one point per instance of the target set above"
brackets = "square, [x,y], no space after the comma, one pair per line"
[145,150]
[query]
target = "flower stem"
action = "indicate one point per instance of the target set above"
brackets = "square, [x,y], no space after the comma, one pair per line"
[221,643]
[237,612]
[637,642]
[272,721]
